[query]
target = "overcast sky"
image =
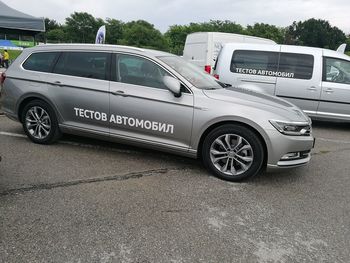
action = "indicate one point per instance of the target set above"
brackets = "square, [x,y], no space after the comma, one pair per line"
[163,13]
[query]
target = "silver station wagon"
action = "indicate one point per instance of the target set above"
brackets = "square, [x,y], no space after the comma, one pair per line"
[153,99]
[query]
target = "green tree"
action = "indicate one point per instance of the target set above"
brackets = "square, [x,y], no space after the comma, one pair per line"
[114,31]
[81,27]
[143,34]
[347,41]
[315,33]
[176,37]
[56,35]
[50,24]
[266,31]
[225,26]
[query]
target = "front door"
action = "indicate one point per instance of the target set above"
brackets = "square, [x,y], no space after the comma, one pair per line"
[143,109]
[335,96]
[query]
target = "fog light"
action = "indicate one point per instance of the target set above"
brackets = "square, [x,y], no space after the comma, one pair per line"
[290,156]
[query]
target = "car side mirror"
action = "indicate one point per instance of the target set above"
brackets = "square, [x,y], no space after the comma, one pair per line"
[173,85]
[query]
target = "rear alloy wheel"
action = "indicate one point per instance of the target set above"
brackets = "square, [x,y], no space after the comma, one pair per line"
[40,123]
[233,152]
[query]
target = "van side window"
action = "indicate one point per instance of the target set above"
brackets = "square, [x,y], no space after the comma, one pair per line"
[336,70]
[298,66]
[139,71]
[41,61]
[254,62]
[83,64]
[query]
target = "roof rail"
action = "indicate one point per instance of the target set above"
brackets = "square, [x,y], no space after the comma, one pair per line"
[127,47]
[93,45]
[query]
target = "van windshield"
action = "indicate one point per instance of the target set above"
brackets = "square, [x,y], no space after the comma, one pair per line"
[197,77]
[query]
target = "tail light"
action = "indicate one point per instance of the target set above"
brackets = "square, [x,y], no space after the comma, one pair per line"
[207,68]
[2,78]
[216,76]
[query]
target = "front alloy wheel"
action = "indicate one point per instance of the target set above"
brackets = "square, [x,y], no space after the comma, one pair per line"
[233,152]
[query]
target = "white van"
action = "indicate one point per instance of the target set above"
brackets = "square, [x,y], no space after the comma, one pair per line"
[202,48]
[317,80]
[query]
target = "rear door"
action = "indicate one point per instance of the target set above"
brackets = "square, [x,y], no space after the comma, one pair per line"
[80,89]
[196,53]
[335,96]
[196,49]
[299,79]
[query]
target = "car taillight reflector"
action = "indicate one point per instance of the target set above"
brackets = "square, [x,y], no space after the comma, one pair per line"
[207,68]
[216,76]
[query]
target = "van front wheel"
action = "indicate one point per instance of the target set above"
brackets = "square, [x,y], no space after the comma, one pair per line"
[233,152]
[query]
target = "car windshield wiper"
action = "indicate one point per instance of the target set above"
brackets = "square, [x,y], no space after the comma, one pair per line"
[211,88]
[224,85]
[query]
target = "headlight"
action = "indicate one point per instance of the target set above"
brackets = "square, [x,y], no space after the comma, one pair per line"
[292,128]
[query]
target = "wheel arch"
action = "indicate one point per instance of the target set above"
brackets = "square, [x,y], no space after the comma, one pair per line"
[240,123]
[23,101]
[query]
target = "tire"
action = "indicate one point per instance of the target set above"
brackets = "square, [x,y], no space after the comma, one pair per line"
[233,152]
[40,123]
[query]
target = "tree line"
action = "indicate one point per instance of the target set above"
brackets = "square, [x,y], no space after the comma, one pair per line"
[81,27]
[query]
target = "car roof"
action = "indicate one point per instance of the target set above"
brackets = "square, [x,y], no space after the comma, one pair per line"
[332,53]
[101,47]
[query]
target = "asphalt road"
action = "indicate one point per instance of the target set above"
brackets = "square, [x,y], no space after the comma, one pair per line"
[82,200]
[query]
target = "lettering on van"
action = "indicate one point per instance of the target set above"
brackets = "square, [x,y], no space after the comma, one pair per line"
[124,120]
[262,72]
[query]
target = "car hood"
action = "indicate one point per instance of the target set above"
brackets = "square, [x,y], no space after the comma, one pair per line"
[258,100]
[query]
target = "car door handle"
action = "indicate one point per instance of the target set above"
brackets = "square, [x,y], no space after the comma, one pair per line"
[119,93]
[312,88]
[329,91]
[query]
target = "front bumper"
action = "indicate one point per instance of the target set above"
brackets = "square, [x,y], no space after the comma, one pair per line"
[282,146]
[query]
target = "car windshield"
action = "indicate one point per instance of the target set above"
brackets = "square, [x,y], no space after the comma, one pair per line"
[197,77]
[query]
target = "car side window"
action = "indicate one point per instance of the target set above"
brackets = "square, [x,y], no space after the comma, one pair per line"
[139,71]
[40,61]
[336,70]
[298,66]
[83,64]
[254,62]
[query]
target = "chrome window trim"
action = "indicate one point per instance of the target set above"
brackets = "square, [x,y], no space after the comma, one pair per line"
[153,61]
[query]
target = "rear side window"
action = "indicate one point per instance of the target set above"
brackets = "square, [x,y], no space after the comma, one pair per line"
[254,62]
[83,64]
[298,66]
[41,61]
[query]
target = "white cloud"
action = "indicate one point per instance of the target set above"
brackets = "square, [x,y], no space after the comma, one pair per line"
[164,13]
